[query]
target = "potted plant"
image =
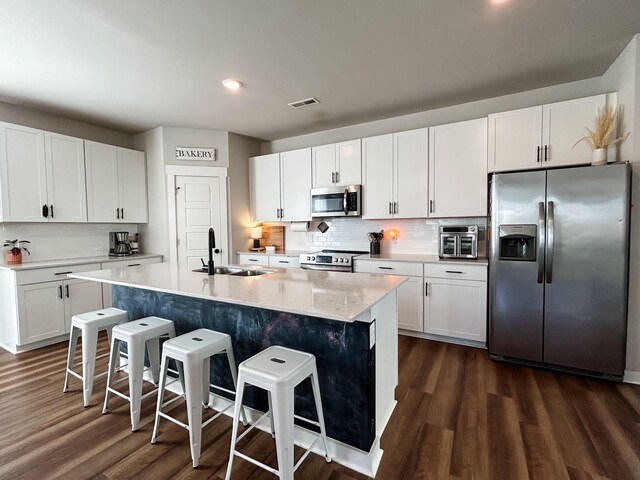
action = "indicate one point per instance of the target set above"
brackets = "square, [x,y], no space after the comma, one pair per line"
[14,255]
[600,137]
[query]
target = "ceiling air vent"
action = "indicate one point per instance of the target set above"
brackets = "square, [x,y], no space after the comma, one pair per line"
[304,103]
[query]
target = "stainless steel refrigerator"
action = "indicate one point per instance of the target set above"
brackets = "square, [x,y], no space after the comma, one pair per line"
[559,260]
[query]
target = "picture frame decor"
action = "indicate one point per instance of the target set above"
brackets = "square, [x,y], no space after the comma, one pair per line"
[192,154]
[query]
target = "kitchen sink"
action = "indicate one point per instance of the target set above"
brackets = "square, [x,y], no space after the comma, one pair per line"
[238,272]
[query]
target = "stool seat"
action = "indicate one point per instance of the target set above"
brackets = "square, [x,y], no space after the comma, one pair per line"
[137,334]
[278,370]
[87,325]
[193,352]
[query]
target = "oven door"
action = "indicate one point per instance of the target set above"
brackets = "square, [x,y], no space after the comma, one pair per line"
[468,246]
[448,245]
[326,268]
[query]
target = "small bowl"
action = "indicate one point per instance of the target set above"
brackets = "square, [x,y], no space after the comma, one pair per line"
[270,249]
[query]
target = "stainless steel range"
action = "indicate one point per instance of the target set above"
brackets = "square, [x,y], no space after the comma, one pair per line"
[330,260]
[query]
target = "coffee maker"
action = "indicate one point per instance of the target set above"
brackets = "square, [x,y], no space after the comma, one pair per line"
[119,244]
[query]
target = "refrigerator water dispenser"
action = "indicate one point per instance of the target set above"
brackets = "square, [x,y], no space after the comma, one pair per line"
[517,242]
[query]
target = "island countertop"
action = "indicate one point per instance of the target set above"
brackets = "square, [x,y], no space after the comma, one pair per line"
[333,295]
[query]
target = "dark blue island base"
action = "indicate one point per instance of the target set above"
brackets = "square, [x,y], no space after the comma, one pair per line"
[345,360]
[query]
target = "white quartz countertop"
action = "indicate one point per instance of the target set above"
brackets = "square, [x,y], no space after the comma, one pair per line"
[417,258]
[75,261]
[333,295]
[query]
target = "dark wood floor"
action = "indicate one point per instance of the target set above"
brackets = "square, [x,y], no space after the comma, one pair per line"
[459,416]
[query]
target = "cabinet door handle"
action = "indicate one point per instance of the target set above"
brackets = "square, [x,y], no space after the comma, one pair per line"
[283,261]
[426,289]
[538,155]
[118,213]
[385,268]
[337,177]
[63,273]
[134,265]
[430,206]
[546,153]
[51,211]
[66,290]
[60,290]
[453,271]
[45,211]
[390,211]
[253,259]
[122,213]
[333,177]
[395,207]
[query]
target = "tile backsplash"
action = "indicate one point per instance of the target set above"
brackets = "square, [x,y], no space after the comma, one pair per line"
[415,236]
[54,241]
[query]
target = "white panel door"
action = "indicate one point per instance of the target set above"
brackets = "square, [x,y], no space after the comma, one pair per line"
[80,296]
[323,164]
[23,180]
[40,311]
[410,304]
[265,187]
[132,179]
[377,176]
[515,139]
[66,185]
[564,124]
[458,169]
[349,162]
[456,308]
[295,185]
[199,201]
[411,173]
[101,163]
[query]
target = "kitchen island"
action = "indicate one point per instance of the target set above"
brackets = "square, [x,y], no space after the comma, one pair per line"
[347,320]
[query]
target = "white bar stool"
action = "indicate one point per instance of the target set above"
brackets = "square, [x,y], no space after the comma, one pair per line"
[87,325]
[136,334]
[279,370]
[193,351]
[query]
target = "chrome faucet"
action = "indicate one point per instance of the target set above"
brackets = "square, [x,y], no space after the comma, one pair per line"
[212,246]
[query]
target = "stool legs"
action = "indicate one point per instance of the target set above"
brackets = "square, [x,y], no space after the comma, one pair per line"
[193,379]
[89,346]
[153,351]
[136,370]
[316,396]
[234,429]
[161,387]
[283,422]
[113,352]
[73,344]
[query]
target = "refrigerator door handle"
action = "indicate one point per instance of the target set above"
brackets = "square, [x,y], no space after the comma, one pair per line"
[550,241]
[541,237]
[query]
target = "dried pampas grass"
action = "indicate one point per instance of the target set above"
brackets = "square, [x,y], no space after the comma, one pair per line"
[606,122]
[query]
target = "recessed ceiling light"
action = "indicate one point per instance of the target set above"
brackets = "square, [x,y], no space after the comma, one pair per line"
[232,83]
[497,2]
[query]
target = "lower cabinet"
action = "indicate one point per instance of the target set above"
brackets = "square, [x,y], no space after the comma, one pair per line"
[455,302]
[447,302]
[276,261]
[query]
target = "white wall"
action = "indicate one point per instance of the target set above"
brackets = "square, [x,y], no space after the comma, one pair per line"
[240,149]
[624,76]
[59,124]
[154,236]
[465,111]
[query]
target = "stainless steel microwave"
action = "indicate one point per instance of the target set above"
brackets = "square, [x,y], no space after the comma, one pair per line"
[336,201]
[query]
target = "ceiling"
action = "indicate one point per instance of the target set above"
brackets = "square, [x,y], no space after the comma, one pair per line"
[137,65]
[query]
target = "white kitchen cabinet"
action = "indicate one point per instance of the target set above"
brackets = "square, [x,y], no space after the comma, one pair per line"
[410,293]
[42,176]
[543,136]
[284,261]
[131,262]
[337,164]
[281,186]
[37,304]
[455,302]
[116,184]
[395,175]
[264,260]
[257,259]
[458,169]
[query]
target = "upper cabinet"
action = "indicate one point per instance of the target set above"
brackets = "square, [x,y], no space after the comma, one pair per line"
[458,169]
[116,184]
[42,176]
[395,175]
[543,136]
[281,186]
[337,164]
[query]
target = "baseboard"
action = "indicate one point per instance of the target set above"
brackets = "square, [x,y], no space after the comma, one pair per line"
[631,376]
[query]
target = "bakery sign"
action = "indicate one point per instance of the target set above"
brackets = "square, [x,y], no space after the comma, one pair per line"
[196,153]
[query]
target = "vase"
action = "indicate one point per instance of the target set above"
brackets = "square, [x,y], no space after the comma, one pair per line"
[12,259]
[599,156]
